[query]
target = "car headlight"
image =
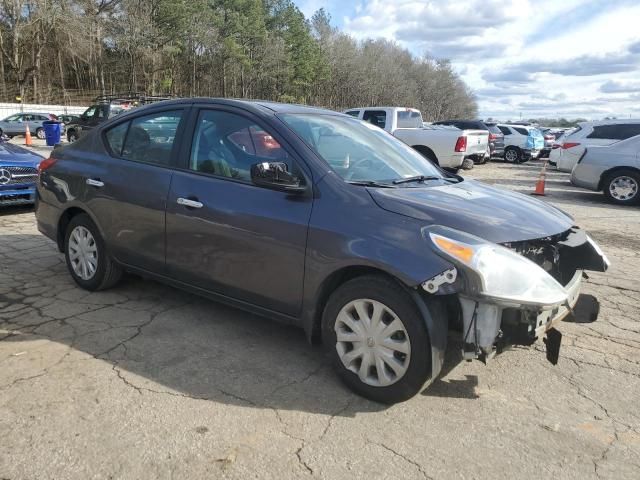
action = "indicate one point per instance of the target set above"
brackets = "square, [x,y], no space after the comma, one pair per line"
[503,274]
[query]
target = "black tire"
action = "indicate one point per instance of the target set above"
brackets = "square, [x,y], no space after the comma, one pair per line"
[631,177]
[107,273]
[394,297]
[513,154]
[72,136]
[40,133]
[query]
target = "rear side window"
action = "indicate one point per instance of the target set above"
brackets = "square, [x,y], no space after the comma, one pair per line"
[115,138]
[376,117]
[615,132]
[150,139]
[521,131]
[505,130]
[409,119]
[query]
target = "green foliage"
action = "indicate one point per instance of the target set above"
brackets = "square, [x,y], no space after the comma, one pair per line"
[232,48]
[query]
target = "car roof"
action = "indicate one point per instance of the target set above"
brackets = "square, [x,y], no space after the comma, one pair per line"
[383,108]
[258,106]
[526,127]
[608,122]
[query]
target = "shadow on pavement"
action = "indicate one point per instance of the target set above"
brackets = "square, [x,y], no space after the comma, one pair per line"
[162,339]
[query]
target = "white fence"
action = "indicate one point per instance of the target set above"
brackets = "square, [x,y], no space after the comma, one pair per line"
[7,109]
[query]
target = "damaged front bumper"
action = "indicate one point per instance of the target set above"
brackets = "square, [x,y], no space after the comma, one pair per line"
[490,324]
[489,327]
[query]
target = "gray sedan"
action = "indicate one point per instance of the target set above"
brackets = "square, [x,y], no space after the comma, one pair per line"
[612,169]
[16,124]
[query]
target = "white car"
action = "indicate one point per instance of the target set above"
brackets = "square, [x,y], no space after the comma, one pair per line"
[521,142]
[571,146]
[444,145]
[612,169]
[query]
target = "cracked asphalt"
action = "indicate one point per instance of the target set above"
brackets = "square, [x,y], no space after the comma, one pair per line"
[147,382]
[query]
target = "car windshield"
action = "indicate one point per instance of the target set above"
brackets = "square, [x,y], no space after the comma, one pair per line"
[359,151]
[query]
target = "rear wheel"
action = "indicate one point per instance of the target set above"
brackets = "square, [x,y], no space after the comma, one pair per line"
[377,339]
[40,133]
[513,155]
[623,187]
[72,136]
[87,259]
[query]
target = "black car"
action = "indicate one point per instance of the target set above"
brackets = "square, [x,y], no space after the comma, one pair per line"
[314,218]
[106,107]
[496,137]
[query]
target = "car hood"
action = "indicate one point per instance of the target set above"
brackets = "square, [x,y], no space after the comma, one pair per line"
[491,213]
[13,155]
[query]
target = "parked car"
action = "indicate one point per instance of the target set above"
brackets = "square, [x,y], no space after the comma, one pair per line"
[549,140]
[496,138]
[346,231]
[106,107]
[16,124]
[521,142]
[445,146]
[613,170]
[68,119]
[18,172]
[587,134]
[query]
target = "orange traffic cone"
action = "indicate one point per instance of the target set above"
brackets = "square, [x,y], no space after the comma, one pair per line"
[540,183]
[27,137]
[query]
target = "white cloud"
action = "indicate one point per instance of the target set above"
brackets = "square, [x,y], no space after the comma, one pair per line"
[538,57]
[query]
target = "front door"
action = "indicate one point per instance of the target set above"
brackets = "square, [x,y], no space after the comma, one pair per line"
[225,234]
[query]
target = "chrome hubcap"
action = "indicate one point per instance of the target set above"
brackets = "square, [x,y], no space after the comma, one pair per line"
[83,253]
[623,188]
[372,342]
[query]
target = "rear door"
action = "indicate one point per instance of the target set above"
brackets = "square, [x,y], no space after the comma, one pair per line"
[226,235]
[127,187]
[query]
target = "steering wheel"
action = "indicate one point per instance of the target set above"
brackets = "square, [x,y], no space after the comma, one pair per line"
[355,165]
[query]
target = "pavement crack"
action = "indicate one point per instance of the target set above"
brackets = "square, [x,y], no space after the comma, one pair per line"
[404,457]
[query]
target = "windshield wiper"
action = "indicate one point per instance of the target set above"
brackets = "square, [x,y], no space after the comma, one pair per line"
[370,183]
[417,178]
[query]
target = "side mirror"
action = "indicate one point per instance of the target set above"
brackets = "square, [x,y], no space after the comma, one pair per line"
[275,175]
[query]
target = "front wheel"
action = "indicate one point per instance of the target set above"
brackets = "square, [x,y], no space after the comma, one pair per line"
[72,136]
[623,187]
[377,339]
[513,155]
[88,262]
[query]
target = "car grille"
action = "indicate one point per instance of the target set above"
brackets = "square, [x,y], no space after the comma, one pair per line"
[20,175]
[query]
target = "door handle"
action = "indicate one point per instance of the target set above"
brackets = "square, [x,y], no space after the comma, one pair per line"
[189,203]
[94,183]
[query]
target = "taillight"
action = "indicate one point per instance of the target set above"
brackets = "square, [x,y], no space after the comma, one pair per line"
[567,145]
[493,136]
[46,163]
[555,146]
[461,144]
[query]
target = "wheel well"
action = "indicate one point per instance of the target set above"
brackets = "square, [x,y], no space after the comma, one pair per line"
[613,170]
[330,284]
[427,152]
[64,220]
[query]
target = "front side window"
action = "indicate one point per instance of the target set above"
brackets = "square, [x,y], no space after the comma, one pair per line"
[227,145]
[150,138]
[89,112]
[357,151]
[115,138]
[376,117]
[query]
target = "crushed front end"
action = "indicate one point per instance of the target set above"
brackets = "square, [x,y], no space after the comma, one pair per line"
[506,299]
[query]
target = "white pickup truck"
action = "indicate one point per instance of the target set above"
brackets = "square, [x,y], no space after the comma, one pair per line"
[445,146]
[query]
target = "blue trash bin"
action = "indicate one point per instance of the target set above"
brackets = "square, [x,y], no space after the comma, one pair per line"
[52,132]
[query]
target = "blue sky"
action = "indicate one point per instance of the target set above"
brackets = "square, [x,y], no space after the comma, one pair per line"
[571,58]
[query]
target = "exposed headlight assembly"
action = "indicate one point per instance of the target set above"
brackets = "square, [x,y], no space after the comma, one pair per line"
[499,273]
